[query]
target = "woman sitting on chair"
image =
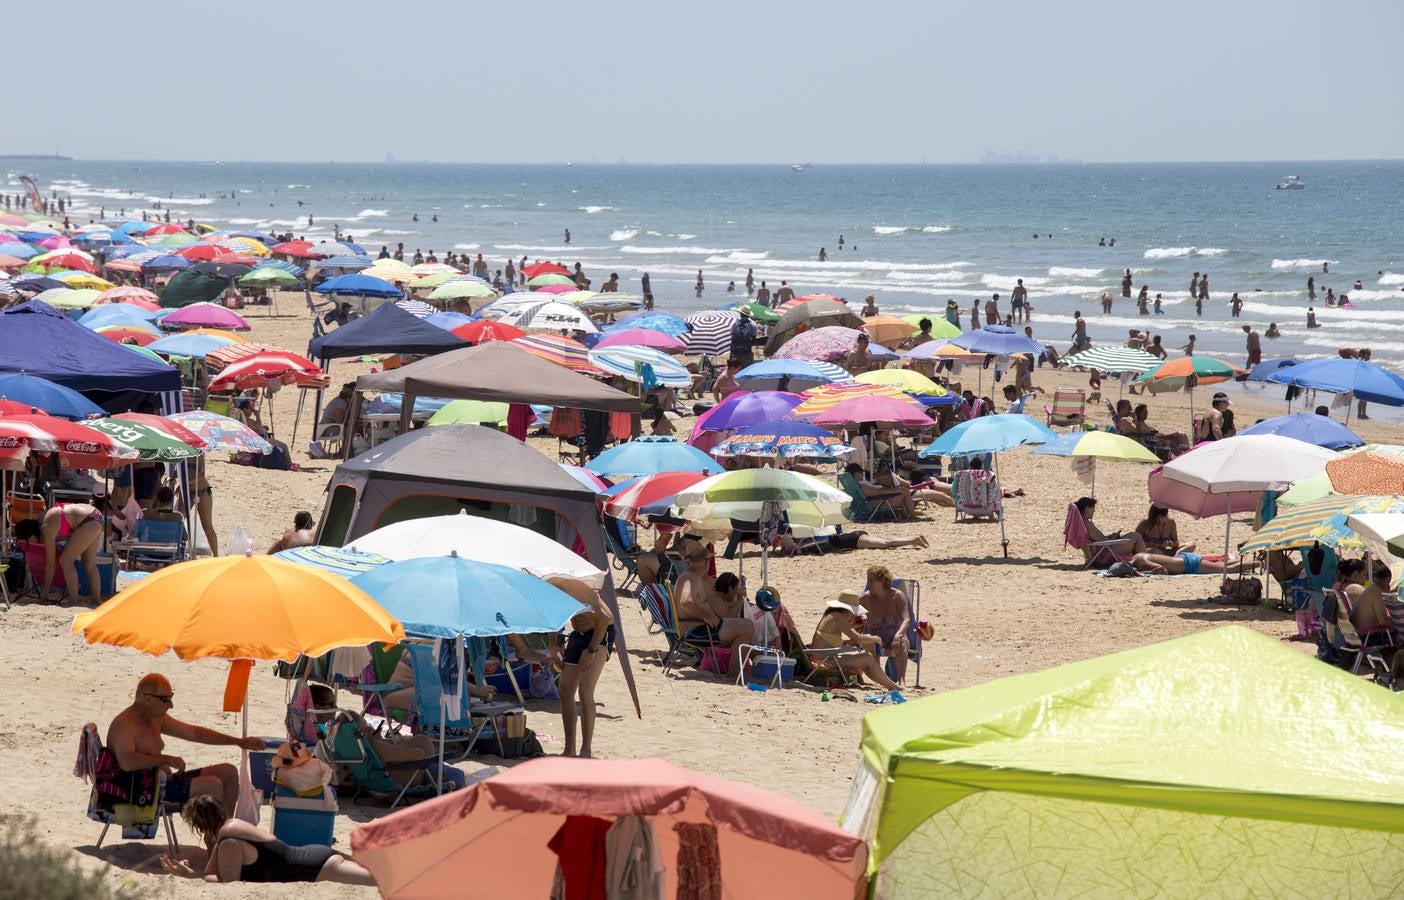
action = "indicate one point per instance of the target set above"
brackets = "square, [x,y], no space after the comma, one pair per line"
[836,631]
[1116,542]
[239,851]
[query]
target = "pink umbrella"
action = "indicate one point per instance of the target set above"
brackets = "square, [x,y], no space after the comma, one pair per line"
[768,845]
[556,289]
[643,337]
[1196,501]
[57,242]
[206,315]
[12,219]
[884,412]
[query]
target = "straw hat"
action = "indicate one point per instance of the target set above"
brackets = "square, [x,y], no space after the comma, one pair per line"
[847,601]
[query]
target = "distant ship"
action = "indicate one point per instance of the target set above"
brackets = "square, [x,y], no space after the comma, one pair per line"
[1291,183]
[54,157]
[799,167]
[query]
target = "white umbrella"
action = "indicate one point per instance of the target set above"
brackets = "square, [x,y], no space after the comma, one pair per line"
[551,315]
[1247,463]
[1383,533]
[626,361]
[481,539]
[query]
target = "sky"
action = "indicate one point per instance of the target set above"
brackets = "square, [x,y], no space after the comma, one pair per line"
[714,82]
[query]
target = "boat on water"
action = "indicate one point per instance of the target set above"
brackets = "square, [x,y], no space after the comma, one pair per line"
[1291,183]
[799,167]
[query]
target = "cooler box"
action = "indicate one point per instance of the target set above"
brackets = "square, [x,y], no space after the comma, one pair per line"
[261,766]
[499,681]
[299,821]
[763,670]
[107,574]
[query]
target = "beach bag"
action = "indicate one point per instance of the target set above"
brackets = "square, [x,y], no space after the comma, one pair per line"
[543,686]
[716,660]
[1241,590]
[1122,569]
[248,807]
[295,768]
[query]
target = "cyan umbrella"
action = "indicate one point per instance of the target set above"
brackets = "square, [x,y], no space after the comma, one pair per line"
[336,560]
[1365,380]
[1322,431]
[796,374]
[52,398]
[195,346]
[1262,370]
[116,314]
[653,321]
[448,597]
[651,455]
[166,262]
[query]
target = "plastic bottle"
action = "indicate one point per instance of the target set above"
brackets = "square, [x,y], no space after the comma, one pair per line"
[824,697]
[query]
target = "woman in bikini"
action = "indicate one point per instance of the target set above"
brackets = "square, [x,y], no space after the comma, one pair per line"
[79,526]
[1160,533]
[836,631]
[239,851]
[587,648]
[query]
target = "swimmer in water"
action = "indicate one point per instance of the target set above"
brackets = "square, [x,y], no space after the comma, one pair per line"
[1272,331]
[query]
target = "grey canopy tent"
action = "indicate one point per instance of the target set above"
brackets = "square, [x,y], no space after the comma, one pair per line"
[481,471]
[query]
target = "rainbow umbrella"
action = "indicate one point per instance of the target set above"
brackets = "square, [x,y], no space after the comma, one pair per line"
[221,434]
[628,499]
[1096,445]
[560,350]
[1176,373]
[821,399]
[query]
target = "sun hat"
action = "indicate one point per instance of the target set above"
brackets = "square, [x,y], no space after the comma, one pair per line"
[846,601]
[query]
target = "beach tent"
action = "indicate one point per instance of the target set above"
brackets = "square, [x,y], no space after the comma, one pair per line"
[456,468]
[193,286]
[39,340]
[388,329]
[1220,764]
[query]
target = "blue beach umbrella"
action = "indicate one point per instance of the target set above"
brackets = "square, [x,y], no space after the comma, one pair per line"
[358,286]
[116,314]
[802,374]
[165,262]
[448,321]
[52,398]
[654,321]
[355,263]
[989,434]
[651,455]
[1365,380]
[195,346]
[448,597]
[998,340]
[19,249]
[1262,370]
[1322,431]
[135,227]
[36,283]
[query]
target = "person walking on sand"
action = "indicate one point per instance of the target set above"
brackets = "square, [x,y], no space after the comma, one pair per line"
[992,310]
[1254,345]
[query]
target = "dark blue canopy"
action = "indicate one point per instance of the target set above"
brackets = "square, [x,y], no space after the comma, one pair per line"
[358,286]
[389,329]
[37,339]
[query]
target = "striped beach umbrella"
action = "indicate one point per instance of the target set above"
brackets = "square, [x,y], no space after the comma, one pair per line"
[629,363]
[1173,375]
[417,308]
[460,287]
[345,263]
[797,374]
[1310,523]
[336,560]
[821,399]
[560,350]
[1111,360]
[709,332]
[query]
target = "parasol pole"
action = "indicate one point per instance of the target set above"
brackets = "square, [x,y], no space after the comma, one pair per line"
[1003,539]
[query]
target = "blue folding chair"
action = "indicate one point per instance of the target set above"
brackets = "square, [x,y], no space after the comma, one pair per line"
[160,542]
[459,730]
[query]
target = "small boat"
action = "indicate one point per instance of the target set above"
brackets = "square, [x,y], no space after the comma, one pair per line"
[799,167]
[1291,183]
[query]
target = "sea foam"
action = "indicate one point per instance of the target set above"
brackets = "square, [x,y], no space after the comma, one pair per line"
[623,234]
[1300,263]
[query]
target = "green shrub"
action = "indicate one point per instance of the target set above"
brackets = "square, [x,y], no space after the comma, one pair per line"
[33,870]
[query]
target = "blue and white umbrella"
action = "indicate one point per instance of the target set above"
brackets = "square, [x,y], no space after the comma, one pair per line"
[336,560]
[345,263]
[629,363]
[417,308]
[653,321]
[802,374]
[709,332]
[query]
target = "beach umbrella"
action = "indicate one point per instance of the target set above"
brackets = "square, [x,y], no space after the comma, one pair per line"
[471,412]
[250,244]
[37,283]
[709,332]
[200,252]
[763,314]
[549,315]
[151,443]
[627,500]
[829,343]
[544,268]
[84,281]
[268,277]
[438,278]
[631,363]
[1322,431]
[941,327]
[1098,445]
[1322,521]
[463,289]
[358,285]
[116,314]
[1174,374]
[417,308]
[652,321]
[165,426]
[344,263]
[239,607]
[55,298]
[1373,470]
[393,276]
[650,455]
[449,320]
[425,269]
[997,340]
[205,315]
[221,434]
[825,397]
[195,346]
[548,279]
[1383,535]
[63,258]
[786,374]
[139,335]
[482,331]
[560,350]
[809,315]
[164,228]
[908,381]
[49,396]
[555,289]
[888,330]
[588,480]
[1111,360]
[881,412]
[742,409]
[787,438]
[1363,379]
[1262,370]
[21,250]
[334,560]
[478,538]
[764,839]
[641,337]
[601,301]
[78,445]
[263,368]
[10,262]
[166,262]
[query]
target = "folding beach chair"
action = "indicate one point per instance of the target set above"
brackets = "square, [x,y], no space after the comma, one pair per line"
[689,635]
[863,509]
[137,822]
[162,542]
[1096,554]
[977,495]
[1069,408]
[474,719]
[620,543]
[912,589]
[348,750]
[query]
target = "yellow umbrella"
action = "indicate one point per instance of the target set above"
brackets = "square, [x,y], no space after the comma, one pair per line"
[394,276]
[252,246]
[85,280]
[239,607]
[908,380]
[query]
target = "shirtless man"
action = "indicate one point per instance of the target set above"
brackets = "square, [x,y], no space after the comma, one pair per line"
[1017,300]
[785,294]
[697,602]
[992,310]
[136,739]
[300,535]
[889,618]
[859,360]
[1255,347]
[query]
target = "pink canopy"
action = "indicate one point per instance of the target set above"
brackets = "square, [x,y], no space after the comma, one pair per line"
[642,337]
[885,412]
[494,834]
[206,315]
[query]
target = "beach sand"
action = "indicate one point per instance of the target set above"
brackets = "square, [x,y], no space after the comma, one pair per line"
[992,616]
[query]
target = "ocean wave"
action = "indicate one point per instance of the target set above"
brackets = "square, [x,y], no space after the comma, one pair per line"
[623,234]
[293,187]
[371,213]
[834,267]
[1072,272]
[1391,278]
[398,231]
[888,230]
[1007,282]
[1178,252]
[591,210]
[183,201]
[467,246]
[1300,263]
[1210,251]
[946,277]
[936,229]
[686,237]
[542,248]
[682,251]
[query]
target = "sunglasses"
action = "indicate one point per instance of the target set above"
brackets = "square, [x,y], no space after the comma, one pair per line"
[164,698]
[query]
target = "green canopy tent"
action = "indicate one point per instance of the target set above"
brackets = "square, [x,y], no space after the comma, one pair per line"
[193,286]
[1220,764]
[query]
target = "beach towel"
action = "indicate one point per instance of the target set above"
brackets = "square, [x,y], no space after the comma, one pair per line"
[1075,529]
[519,419]
[565,422]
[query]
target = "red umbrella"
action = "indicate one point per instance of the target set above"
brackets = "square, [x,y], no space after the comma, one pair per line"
[484,331]
[235,258]
[165,426]
[71,260]
[123,265]
[544,268]
[200,252]
[262,369]
[122,335]
[79,446]
[648,490]
[301,249]
[15,408]
[164,228]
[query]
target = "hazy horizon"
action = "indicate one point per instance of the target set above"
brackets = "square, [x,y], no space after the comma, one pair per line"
[901,82]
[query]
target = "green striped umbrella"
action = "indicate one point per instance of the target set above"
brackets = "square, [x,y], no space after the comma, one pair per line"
[1112,360]
[152,444]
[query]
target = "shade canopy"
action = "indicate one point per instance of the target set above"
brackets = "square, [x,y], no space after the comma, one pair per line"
[387,329]
[1090,771]
[763,840]
[499,371]
[39,340]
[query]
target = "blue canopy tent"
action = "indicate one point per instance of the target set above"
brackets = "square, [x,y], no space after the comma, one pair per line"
[39,340]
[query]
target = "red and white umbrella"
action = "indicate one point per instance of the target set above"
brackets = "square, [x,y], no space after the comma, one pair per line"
[648,491]
[79,446]
[263,369]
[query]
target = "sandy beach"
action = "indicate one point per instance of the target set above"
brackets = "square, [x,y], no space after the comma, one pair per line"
[992,616]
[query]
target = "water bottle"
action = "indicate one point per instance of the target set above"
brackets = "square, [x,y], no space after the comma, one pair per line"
[824,697]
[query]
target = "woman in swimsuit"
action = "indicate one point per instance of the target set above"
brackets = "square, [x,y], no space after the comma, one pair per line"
[204,506]
[587,648]
[1160,532]
[239,851]
[836,630]
[79,526]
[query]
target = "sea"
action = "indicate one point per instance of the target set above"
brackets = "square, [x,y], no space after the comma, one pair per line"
[913,236]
